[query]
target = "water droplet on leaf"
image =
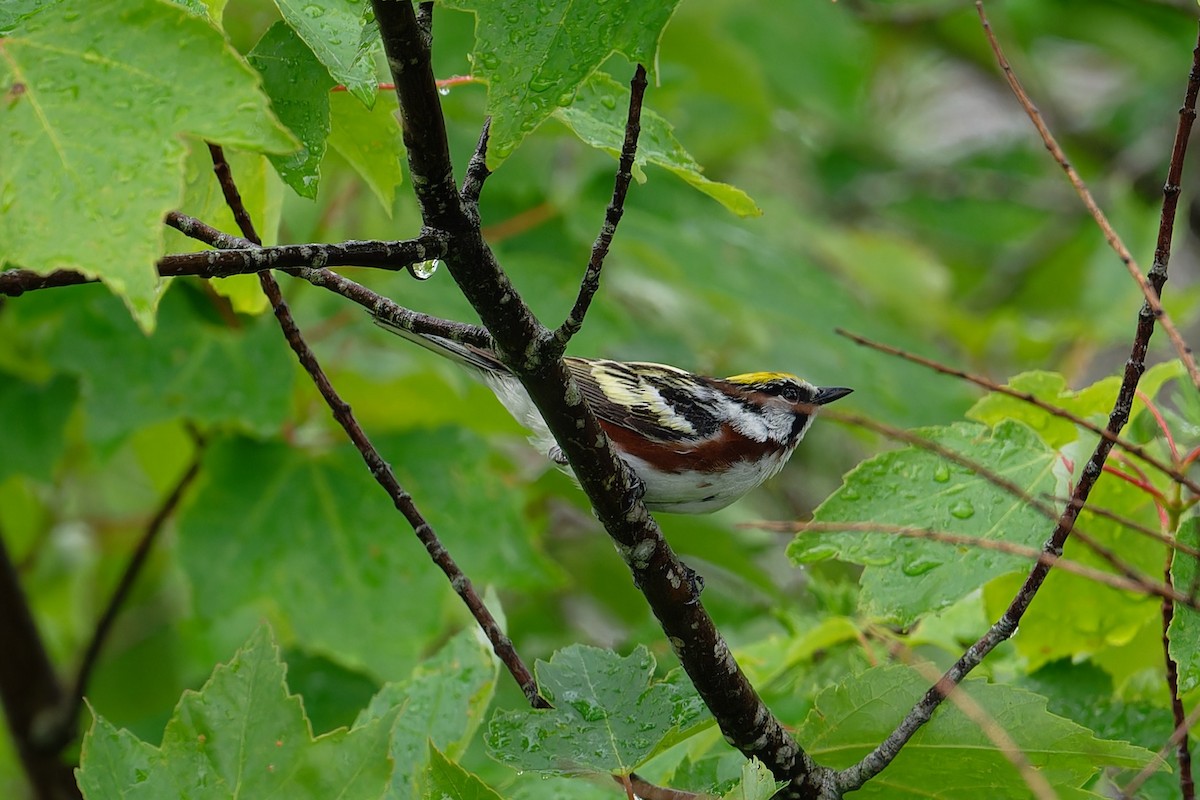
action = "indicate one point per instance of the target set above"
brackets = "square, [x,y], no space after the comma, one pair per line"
[919,566]
[962,509]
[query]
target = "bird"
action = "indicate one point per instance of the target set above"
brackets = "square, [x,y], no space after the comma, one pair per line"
[696,443]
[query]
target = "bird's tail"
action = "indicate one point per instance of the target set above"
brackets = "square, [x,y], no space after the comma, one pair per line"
[468,355]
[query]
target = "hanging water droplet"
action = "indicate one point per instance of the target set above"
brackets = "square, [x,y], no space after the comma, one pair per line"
[443,90]
[941,473]
[424,270]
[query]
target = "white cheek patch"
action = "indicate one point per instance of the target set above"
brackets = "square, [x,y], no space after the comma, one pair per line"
[753,426]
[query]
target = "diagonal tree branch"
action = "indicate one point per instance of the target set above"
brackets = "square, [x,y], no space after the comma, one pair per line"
[69,721]
[379,468]
[526,346]
[858,774]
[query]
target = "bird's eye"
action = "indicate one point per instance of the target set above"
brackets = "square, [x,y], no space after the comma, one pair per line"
[790,393]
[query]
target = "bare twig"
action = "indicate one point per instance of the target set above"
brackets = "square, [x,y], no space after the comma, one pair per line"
[972,710]
[1129,790]
[612,215]
[1026,397]
[223,263]
[1151,289]
[74,701]
[376,304]
[1142,585]
[477,172]
[1002,629]
[379,468]
[1183,752]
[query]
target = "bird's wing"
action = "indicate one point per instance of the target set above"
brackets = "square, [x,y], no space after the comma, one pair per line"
[656,401]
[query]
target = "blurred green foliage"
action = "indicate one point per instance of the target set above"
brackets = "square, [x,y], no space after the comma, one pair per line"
[905,197]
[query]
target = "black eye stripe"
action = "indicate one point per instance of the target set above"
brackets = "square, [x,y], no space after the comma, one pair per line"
[788,390]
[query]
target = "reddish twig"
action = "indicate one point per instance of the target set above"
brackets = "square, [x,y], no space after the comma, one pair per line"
[1183,752]
[1126,522]
[1026,397]
[855,776]
[520,222]
[640,787]
[1151,289]
[1138,584]
[1038,785]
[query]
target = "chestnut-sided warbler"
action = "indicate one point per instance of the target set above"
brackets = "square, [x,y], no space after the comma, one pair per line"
[696,443]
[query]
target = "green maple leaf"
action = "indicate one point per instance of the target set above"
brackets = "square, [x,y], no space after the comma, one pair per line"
[535,56]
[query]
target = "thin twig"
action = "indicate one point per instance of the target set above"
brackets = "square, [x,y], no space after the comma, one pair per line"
[972,710]
[1183,752]
[612,215]
[992,477]
[1128,791]
[1151,291]
[477,171]
[858,774]
[1136,527]
[137,560]
[1026,397]
[376,304]
[392,255]
[379,468]
[1141,585]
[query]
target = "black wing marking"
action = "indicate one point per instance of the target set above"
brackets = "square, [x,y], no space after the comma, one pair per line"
[659,402]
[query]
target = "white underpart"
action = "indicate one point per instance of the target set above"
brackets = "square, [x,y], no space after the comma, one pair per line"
[698,492]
